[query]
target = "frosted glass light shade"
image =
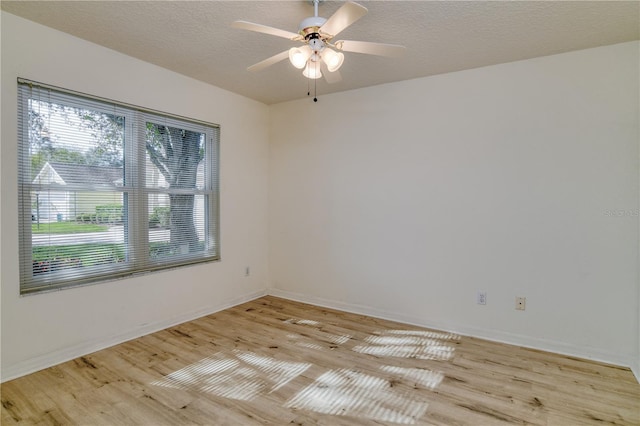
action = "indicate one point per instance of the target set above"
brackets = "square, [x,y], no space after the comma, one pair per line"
[333,59]
[298,56]
[312,70]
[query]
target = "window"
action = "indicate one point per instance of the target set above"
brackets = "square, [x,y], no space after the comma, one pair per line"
[108,190]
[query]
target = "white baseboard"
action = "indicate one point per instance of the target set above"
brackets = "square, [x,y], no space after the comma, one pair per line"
[57,357]
[464,330]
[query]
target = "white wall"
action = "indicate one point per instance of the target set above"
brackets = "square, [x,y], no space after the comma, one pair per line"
[44,329]
[403,200]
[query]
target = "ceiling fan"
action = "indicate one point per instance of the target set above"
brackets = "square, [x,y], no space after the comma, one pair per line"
[320,55]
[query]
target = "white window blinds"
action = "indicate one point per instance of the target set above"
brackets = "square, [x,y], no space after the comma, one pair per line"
[107,190]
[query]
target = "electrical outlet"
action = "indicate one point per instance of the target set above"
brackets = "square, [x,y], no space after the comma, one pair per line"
[521,303]
[481,298]
[247,271]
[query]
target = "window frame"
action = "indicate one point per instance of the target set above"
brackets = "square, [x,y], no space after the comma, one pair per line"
[134,191]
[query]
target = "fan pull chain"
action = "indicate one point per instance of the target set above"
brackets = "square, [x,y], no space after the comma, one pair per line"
[315,83]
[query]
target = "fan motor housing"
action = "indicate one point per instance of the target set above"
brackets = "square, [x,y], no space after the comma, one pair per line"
[310,25]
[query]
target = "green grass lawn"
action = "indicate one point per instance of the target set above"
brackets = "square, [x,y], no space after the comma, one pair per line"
[87,254]
[66,228]
[57,257]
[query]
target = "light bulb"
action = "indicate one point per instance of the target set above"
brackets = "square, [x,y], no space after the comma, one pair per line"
[312,70]
[298,56]
[333,59]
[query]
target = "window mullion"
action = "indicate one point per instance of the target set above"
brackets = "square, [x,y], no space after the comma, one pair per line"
[140,215]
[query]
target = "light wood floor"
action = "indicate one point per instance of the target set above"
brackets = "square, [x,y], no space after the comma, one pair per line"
[273,361]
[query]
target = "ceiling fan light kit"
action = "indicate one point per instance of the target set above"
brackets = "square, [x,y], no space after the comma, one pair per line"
[316,33]
[312,71]
[333,59]
[298,56]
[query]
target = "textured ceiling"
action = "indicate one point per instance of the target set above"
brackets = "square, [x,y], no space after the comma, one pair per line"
[195,38]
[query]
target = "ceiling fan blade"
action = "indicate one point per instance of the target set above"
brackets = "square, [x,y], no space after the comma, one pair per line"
[380,49]
[345,16]
[269,61]
[259,28]
[331,77]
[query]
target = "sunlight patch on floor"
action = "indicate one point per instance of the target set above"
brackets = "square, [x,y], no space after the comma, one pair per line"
[339,339]
[302,322]
[300,339]
[304,342]
[383,396]
[408,344]
[424,333]
[241,375]
[402,341]
[350,393]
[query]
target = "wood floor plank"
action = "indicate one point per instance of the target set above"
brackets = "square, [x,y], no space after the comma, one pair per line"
[273,361]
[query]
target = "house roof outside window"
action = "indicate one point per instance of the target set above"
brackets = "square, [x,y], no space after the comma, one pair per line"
[69,174]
